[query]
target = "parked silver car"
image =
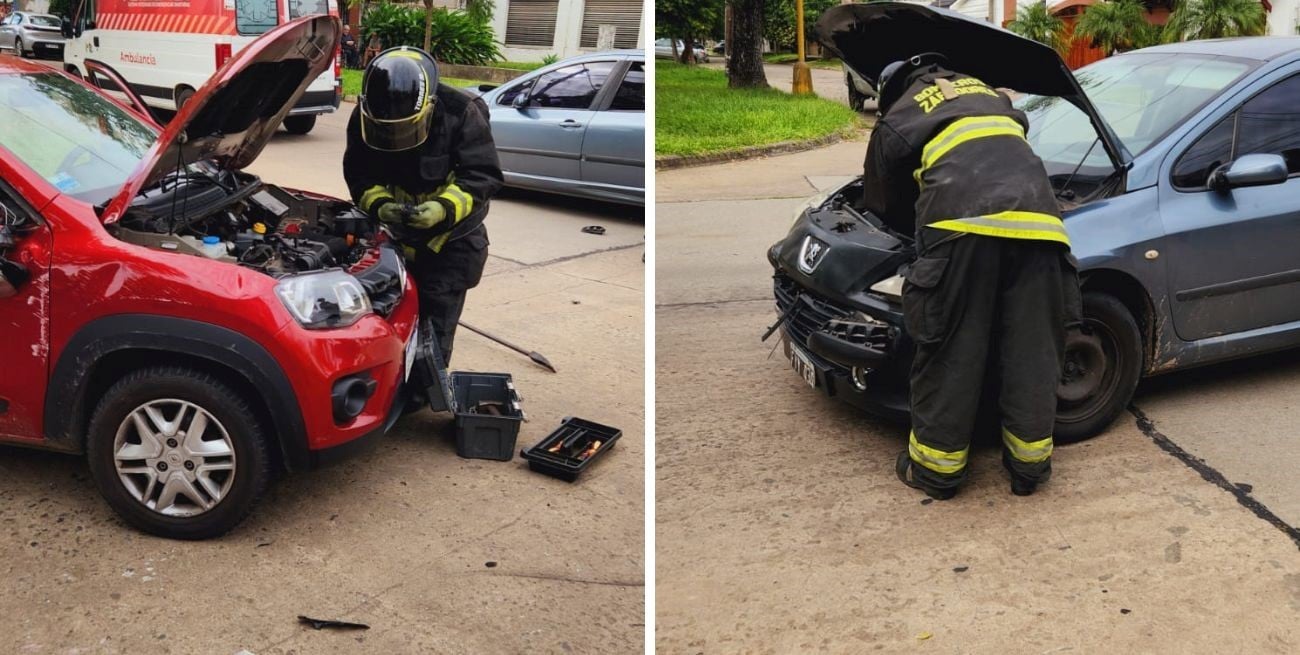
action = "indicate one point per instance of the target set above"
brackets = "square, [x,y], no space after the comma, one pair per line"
[576,127]
[664,50]
[32,34]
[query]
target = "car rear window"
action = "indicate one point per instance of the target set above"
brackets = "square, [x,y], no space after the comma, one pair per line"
[44,21]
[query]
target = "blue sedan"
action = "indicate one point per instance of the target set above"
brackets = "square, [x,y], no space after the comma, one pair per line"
[1177,169]
[576,127]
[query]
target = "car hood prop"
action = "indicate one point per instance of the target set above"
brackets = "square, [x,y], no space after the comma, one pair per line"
[868,37]
[230,120]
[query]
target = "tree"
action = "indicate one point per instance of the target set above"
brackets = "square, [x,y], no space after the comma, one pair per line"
[686,20]
[745,67]
[1035,22]
[1215,19]
[1115,25]
[779,20]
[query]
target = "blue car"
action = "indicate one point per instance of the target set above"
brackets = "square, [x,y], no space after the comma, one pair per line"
[576,127]
[1176,169]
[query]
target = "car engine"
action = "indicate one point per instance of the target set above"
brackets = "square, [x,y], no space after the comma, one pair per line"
[233,217]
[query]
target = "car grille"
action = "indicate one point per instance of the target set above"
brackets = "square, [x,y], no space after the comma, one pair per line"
[812,314]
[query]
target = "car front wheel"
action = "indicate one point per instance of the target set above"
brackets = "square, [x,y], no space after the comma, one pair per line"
[1102,365]
[177,453]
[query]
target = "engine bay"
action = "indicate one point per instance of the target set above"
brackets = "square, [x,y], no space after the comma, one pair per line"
[233,217]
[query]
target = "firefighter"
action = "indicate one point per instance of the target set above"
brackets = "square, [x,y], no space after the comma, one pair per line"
[420,158]
[993,284]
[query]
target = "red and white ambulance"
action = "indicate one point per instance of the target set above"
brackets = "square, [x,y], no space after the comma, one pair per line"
[167,49]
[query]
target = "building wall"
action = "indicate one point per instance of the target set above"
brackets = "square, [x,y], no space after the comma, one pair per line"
[1283,19]
[568,32]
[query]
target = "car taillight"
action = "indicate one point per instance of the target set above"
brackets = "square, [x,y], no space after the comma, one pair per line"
[223,54]
[338,62]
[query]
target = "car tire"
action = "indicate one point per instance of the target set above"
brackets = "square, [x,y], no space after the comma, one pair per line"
[1103,363]
[183,95]
[161,399]
[300,124]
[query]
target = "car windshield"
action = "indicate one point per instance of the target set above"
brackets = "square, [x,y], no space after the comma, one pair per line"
[1140,95]
[80,142]
[44,21]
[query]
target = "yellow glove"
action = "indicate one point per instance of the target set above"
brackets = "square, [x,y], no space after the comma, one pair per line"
[427,215]
[390,212]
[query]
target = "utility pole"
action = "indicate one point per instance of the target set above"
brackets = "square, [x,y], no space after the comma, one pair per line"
[802,74]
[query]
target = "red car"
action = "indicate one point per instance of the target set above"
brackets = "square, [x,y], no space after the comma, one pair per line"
[186,326]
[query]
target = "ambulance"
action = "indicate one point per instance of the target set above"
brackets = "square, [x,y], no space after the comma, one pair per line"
[167,49]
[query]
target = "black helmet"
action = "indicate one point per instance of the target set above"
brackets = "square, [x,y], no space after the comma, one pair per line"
[893,78]
[398,92]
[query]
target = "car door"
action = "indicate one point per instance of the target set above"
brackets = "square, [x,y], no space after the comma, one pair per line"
[542,137]
[24,320]
[1231,256]
[7,29]
[614,151]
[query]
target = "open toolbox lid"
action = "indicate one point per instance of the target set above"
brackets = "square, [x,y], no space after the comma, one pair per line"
[432,372]
[571,448]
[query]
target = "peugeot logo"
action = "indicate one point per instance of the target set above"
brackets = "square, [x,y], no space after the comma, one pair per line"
[811,254]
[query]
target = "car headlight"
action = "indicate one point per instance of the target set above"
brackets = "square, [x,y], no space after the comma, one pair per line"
[813,202]
[891,286]
[324,299]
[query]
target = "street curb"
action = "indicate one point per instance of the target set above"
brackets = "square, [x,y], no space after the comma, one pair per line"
[349,99]
[670,162]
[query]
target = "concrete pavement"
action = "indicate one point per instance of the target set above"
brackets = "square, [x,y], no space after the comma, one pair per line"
[781,527]
[437,554]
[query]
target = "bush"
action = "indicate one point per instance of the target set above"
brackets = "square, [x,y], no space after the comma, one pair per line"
[456,36]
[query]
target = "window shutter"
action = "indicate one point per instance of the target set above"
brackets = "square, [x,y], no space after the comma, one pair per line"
[531,22]
[626,14]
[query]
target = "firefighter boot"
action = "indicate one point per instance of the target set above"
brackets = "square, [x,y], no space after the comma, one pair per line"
[903,467]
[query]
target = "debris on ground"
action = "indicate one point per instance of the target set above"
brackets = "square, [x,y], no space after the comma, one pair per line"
[322,624]
[594,229]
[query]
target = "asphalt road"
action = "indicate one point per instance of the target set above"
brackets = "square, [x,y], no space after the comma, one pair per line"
[781,527]
[437,554]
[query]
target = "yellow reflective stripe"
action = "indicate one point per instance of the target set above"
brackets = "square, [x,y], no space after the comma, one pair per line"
[461,201]
[963,130]
[1013,224]
[1030,452]
[934,459]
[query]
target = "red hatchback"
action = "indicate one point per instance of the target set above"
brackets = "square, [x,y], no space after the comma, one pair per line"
[188,327]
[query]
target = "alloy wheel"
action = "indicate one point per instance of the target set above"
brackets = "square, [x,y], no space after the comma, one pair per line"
[174,457]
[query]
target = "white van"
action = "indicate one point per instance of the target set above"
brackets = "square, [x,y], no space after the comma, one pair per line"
[167,49]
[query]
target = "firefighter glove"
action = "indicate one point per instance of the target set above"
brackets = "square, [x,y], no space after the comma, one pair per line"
[390,212]
[427,215]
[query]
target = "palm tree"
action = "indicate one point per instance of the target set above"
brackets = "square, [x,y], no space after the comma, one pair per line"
[1036,22]
[1214,19]
[1114,25]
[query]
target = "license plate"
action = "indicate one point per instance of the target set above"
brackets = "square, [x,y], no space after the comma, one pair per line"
[803,366]
[411,345]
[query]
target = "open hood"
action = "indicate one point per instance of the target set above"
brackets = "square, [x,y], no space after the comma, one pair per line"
[230,119]
[868,37]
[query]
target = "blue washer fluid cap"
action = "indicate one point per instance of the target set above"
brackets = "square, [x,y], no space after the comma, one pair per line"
[211,240]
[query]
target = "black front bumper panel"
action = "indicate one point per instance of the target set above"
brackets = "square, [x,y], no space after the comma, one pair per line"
[857,359]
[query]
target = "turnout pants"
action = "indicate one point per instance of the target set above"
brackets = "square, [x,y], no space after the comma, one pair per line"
[968,297]
[444,279]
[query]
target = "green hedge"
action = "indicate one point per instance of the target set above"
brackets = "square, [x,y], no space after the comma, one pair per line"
[456,36]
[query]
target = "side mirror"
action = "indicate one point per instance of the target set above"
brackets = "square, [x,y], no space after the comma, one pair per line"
[521,100]
[65,28]
[487,87]
[1249,170]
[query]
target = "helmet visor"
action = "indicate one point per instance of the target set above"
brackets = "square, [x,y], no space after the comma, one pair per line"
[395,133]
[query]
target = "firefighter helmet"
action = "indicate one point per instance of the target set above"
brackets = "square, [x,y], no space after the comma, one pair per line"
[894,77]
[398,92]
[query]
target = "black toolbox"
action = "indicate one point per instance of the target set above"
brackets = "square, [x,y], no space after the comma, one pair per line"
[571,448]
[486,405]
